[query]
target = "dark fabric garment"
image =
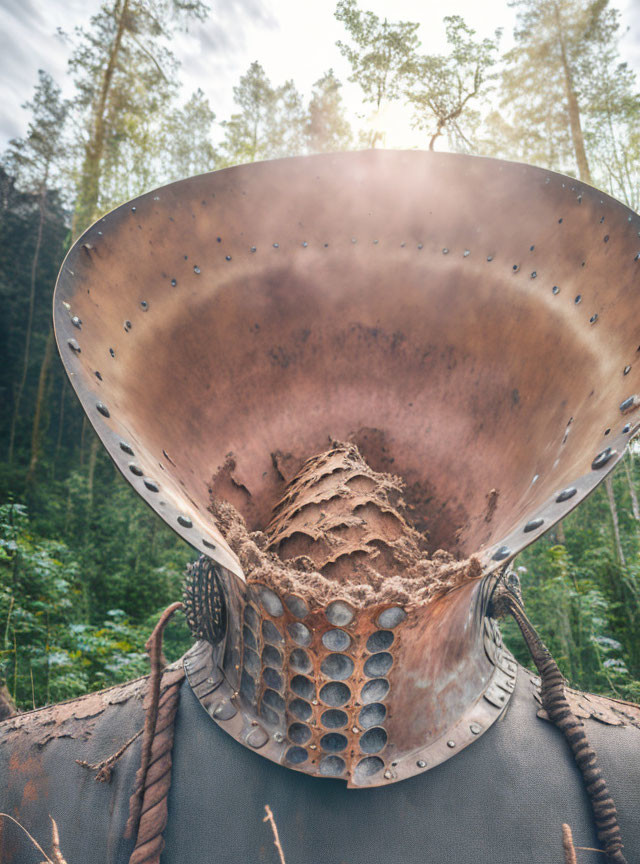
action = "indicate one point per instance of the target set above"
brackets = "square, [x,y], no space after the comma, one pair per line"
[500,801]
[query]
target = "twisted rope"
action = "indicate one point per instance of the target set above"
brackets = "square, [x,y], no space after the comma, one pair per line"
[148,802]
[555,703]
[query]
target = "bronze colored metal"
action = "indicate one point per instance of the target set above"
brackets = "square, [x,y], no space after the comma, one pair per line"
[404,300]
[370,696]
[470,324]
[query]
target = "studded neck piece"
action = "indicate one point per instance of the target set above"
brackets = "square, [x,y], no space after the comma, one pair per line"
[367,695]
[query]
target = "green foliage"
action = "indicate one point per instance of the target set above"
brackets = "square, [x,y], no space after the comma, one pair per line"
[441,87]
[58,639]
[584,602]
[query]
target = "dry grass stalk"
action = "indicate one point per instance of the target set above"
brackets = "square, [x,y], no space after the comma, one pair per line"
[276,837]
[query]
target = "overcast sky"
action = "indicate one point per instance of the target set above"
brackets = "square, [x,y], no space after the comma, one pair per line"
[290,38]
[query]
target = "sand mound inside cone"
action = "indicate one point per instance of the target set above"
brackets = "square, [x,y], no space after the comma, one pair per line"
[342,531]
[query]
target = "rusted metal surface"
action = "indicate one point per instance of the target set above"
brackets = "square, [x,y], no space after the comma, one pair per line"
[469,324]
[401,300]
[371,696]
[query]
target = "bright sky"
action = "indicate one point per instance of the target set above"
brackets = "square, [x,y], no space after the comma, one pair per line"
[290,38]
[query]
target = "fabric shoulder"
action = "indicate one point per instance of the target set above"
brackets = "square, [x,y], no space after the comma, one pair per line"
[590,706]
[75,718]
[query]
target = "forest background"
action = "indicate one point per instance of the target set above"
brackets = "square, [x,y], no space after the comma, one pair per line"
[85,567]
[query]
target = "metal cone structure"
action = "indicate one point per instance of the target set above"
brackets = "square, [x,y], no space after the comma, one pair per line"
[470,324]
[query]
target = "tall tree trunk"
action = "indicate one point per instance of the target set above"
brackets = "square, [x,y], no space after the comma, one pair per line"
[29,328]
[89,191]
[40,399]
[632,492]
[572,102]
[608,483]
[7,706]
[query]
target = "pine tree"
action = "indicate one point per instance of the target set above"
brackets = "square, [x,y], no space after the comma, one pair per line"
[270,122]
[124,71]
[380,54]
[327,127]
[35,162]
[442,88]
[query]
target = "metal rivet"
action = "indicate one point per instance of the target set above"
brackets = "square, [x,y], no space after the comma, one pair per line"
[151,485]
[593,318]
[127,325]
[72,343]
[227,257]
[196,269]
[466,253]
[133,209]
[339,613]
[555,290]
[225,711]
[126,447]
[489,258]
[577,299]
[185,521]
[626,428]
[388,774]
[475,728]
[502,553]
[257,737]
[566,494]
[420,245]
[627,404]
[174,282]
[253,249]
[144,305]
[276,245]
[135,469]
[533,524]
[534,274]
[606,238]
[391,617]
[445,251]
[76,322]
[602,458]
[451,743]
[112,352]
[304,244]
[421,763]
[102,408]
[626,370]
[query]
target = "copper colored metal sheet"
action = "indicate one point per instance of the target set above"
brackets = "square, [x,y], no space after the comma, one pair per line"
[471,324]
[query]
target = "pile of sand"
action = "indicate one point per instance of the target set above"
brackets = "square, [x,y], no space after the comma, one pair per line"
[341,531]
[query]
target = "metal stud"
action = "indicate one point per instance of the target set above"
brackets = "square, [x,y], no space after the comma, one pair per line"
[475,728]
[151,485]
[73,344]
[451,743]
[566,494]
[390,618]
[76,322]
[421,763]
[602,458]
[102,409]
[127,448]
[628,404]
[533,525]
[185,521]
[502,553]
